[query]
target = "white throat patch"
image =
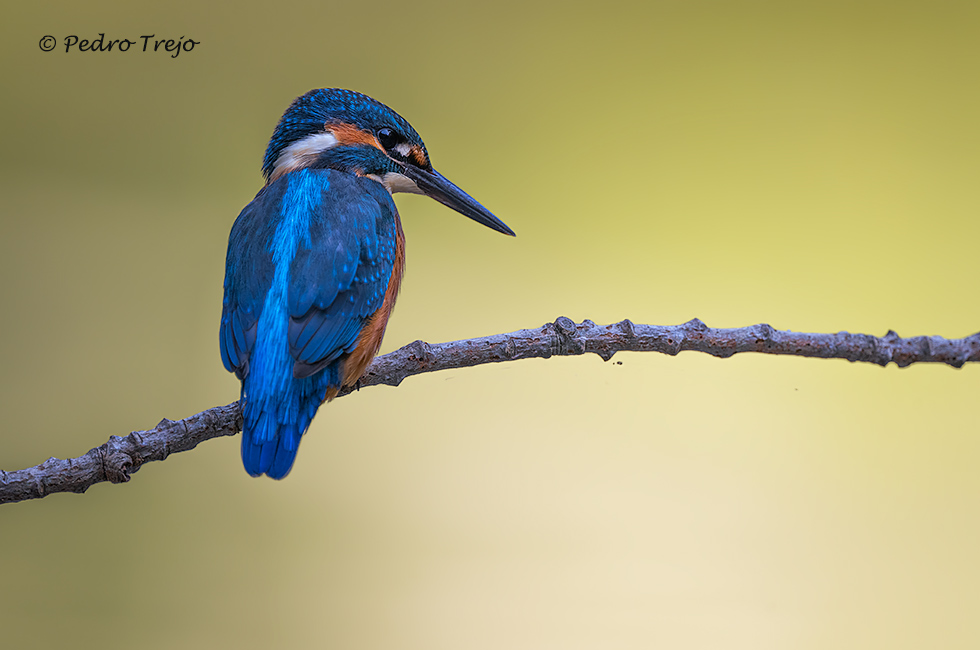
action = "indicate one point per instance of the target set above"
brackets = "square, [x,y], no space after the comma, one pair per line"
[396,182]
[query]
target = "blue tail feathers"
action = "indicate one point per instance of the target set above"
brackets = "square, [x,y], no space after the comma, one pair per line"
[268,447]
[274,424]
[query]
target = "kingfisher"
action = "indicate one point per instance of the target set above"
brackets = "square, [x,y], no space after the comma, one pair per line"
[315,262]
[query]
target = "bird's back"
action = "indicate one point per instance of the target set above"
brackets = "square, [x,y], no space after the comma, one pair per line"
[310,262]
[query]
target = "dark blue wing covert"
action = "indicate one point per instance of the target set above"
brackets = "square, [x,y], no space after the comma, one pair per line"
[249,271]
[339,280]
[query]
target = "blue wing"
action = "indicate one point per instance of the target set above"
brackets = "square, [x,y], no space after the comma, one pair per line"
[339,281]
[248,276]
[308,263]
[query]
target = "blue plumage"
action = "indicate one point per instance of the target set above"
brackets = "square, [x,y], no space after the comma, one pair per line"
[309,112]
[308,262]
[315,261]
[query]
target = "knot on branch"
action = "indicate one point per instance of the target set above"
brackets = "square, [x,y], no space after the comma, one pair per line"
[118,458]
[510,349]
[565,325]
[421,351]
[565,340]
[695,328]
[764,334]
[627,329]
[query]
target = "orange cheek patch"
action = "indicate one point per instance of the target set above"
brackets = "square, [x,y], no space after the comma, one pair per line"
[417,154]
[348,134]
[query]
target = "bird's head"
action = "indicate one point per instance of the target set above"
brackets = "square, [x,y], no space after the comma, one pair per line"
[345,130]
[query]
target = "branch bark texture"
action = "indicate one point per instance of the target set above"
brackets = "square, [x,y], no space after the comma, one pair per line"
[120,457]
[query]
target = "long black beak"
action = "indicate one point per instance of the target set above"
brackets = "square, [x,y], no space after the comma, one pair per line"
[437,186]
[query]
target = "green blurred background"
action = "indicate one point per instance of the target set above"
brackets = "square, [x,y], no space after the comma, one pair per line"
[812,165]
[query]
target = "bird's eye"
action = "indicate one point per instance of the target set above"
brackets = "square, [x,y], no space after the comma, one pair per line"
[388,138]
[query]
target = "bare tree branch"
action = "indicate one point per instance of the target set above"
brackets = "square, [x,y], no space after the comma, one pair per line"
[119,458]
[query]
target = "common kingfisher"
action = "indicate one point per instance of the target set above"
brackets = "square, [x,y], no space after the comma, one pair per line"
[315,262]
